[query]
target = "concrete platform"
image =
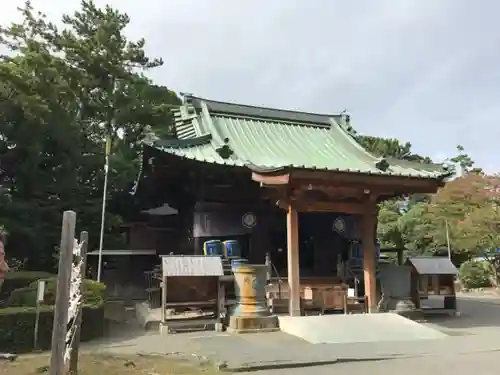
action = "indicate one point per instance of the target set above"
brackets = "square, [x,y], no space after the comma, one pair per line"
[344,329]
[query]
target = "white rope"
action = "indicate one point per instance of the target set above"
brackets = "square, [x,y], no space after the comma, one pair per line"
[139,175]
[75,298]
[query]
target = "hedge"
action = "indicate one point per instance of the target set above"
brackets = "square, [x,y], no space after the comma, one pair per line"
[17,327]
[94,294]
[20,279]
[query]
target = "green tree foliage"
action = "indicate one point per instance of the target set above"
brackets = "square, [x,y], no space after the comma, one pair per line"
[464,161]
[463,212]
[62,92]
[389,234]
[389,230]
[468,206]
[478,232]
[391,148]
[474,274]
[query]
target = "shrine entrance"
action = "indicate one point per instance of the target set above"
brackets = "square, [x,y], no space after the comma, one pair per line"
[321,245]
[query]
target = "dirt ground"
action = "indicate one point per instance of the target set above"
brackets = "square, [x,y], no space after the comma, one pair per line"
[103,364]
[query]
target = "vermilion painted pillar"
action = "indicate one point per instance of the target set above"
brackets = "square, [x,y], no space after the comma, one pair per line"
[293,261]
[369,224]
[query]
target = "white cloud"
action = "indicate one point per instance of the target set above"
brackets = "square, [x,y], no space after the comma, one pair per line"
[420,70]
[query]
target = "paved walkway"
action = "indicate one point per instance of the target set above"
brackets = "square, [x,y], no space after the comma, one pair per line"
[475,334]
[466,364]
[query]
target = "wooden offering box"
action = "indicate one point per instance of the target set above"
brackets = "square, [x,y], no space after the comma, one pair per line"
[326,296]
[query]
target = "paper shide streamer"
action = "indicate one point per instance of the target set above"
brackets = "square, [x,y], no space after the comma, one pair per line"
[75,297]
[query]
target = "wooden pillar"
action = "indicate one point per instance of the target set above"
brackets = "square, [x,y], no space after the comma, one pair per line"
[369,222]
[163,300]
[293,261]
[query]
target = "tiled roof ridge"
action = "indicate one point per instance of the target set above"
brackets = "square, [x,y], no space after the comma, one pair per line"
[326,115]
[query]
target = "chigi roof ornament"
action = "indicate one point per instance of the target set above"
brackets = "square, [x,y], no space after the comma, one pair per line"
[345,116]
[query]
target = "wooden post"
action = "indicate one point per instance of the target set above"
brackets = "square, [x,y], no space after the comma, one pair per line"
[369,255]
[400,257]
[59,328]
[221,304]
[293,261]
[75,344]
[163,300]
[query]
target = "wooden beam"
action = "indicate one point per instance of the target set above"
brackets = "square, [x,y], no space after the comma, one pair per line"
[340,192]
[329,189]
[293,261]
[281,179]
[318,206]
[397,184]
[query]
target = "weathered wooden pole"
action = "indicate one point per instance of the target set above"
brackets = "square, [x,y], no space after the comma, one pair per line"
[293,262]
[59,328]
[75,343]
[368,224]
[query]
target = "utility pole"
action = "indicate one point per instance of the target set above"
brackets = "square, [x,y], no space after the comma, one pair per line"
[110,131]
[448,238]
[103,212]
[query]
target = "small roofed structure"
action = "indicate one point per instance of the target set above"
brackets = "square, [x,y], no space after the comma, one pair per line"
[433,266]
[196,280]
[433,287]
[307,162]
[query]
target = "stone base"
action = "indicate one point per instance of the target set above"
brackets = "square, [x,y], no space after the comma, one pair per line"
[416,314]
[253,324]
[403,306]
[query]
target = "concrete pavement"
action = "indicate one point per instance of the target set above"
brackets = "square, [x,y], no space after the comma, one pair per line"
[465,364]
[473,336]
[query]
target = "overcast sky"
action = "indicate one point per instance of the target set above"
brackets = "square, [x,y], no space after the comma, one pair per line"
[424,71]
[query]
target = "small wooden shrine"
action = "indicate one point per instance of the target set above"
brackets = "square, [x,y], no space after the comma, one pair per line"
[291,184]
[433,283]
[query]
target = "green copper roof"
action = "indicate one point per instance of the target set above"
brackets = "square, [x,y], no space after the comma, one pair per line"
[267,139]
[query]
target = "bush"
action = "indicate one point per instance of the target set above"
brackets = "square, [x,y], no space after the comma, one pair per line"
[20,279]
[94,294]
[17,327]
[22,297]
[475,274]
